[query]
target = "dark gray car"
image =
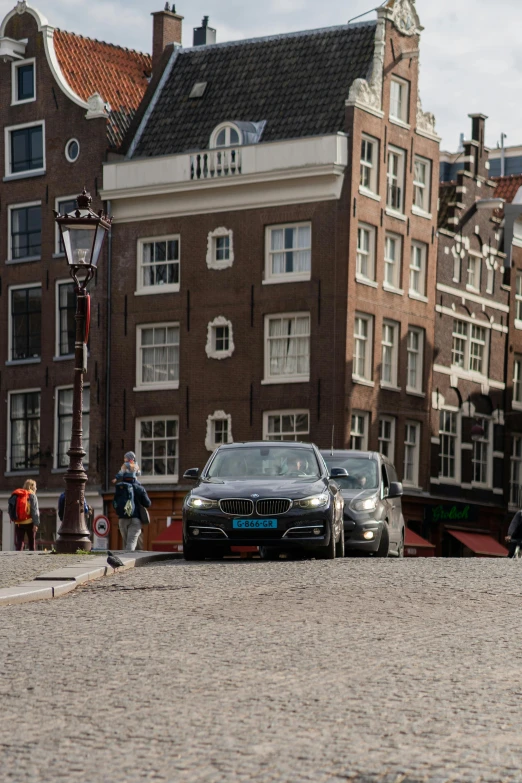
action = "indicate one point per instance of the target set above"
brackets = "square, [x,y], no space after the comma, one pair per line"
[373,520]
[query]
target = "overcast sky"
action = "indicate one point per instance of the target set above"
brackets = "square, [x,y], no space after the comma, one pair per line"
[471,60]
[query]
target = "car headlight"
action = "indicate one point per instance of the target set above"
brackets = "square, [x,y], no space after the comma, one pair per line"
[367,504]
[314,501]
[201,503]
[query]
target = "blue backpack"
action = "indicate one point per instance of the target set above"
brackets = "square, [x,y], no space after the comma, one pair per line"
[124,500]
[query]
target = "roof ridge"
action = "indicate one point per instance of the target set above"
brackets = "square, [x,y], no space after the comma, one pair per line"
[105,43]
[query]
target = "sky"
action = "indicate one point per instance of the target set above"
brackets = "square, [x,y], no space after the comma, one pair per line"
[470,54]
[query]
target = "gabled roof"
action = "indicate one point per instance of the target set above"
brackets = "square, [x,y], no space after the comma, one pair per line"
[298,83]
[507,187]
[119,75]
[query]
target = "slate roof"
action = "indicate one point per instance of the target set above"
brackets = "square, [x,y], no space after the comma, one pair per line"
[297,82]
[119,75]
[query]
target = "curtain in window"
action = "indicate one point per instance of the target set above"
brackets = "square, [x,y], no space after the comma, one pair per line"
[290,346]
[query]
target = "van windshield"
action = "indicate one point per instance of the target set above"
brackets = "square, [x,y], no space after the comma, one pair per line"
[264,461]
[363,473]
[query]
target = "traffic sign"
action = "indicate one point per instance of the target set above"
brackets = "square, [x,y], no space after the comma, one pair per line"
[101,526]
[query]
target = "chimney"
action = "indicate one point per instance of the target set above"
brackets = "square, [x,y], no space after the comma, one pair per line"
[166,29]
[204,34]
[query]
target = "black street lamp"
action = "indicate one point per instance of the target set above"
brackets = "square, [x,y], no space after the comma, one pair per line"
[82,232]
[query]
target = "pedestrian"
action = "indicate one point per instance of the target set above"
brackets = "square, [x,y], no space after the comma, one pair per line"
[23,511]
[129,494]
[129,466]
[514,534]
[61,508]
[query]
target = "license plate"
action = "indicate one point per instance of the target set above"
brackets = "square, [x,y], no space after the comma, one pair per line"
[255,524]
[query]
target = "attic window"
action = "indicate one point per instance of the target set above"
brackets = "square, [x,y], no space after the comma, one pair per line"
[226,135]
[198,90]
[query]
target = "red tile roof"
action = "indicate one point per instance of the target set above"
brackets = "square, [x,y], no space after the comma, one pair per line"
[507,187]
[119,75]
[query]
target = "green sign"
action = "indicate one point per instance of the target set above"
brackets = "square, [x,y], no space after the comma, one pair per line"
[455,512]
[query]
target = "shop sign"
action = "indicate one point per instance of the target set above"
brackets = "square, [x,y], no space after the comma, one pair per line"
[451,512]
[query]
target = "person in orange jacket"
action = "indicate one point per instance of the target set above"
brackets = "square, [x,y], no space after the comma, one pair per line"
[24,512]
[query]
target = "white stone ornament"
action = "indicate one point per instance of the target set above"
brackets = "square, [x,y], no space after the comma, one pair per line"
[21,7]
[368,94]
[210,444]
[425,120]
[212,262]
[403,14]
[210,348]
[97,107]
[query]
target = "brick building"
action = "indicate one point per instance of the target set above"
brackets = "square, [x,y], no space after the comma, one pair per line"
[67,102]
[275,253]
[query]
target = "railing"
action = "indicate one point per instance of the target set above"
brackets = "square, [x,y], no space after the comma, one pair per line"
[216,163]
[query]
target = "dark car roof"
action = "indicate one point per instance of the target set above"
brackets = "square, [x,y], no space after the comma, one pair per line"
[264,443]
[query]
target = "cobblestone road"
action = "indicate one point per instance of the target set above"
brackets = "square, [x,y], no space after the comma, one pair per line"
[18,567]
[316,671]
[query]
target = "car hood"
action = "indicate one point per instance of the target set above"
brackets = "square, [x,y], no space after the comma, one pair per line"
[273,487]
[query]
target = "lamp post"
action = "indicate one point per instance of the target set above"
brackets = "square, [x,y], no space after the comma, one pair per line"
[82,232]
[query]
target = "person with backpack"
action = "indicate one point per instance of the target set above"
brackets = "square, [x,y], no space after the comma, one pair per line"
[23,511]
[61,508]
[129,494]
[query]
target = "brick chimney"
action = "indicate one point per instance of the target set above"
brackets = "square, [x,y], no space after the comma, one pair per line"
[166,29]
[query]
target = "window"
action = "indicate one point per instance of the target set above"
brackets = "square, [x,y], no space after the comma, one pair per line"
[517,379]
[25,322]
[63,206]
[448,444]
[72,150]
[25,149]
[288,252]
[396,168]
[365,267]
[219,430]
[469,347]
[421,184]
[359,431]
[158,356]
[66,326]
[287,347]
[415,350]
[25,231]
[64,419]
[392,261]
[390,345]
[419,254]
[473,273]
[23,81]
[399,97]
[286,425]
[362,347]
[220,339]
[24,430]
[515,483]
[158,265]
[481,452]
[227,135]
[369,164]
[490,278]
[411,453]
[477,348]
[518,299]
[220,249]
[387,436]
[157,448]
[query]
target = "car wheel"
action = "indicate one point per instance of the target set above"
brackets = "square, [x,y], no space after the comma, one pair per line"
[269,553]
[400,548]
[384,544]
[339,547]
[328,552]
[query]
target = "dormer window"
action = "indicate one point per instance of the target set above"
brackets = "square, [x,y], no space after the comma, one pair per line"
[226,135]
[23,81]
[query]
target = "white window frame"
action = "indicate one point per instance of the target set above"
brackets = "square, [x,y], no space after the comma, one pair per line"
[488,462]
[515,472]
[356,432]
[57,390]
[10,209]
[286,412]
[210,439]
[14,81]
[394,350]
[68,157]
[225,126]
[474,265]
[396,180]
[367,342]
[371,232]
[457,435]
[168,288]
[422,187]
[210,348]
[57,327]
[517,381]
[419,354]
[213,236]
[7,150]
[60,200]
[302,378]
[159,479]
[31,360]
[468,340]
[419,254]
[373,167]
[394,264]
[390,440]
[411,448]
[285,277]
[140,385]
[518,300]
[403,117]
[10,470]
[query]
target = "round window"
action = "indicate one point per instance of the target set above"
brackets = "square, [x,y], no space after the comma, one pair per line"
[72,150]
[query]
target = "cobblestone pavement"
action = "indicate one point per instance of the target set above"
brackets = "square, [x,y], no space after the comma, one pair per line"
[366,670]
[18,567]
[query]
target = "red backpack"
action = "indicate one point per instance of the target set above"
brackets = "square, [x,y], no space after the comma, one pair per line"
[19,506]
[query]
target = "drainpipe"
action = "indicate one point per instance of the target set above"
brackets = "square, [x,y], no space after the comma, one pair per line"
[108,353]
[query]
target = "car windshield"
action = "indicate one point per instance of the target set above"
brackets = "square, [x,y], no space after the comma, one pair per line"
[363,473]
[263,462]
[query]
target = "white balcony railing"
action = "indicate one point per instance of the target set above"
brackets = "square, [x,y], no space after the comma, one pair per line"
[215,163]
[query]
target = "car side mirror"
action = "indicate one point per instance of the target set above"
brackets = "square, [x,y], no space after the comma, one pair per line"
[396,490]
[338,472]
[192,474]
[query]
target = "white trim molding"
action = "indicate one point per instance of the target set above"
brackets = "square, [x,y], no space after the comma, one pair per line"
[210,348]
[218,233]
[367,95]
[210,441]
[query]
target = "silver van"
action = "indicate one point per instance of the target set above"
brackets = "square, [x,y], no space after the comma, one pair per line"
[373,520]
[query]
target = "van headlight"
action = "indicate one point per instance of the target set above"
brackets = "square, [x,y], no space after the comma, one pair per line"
[314,501]
[201,503]
[366,504]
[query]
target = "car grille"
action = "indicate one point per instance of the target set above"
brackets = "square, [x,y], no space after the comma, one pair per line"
[237,507]
[270,507]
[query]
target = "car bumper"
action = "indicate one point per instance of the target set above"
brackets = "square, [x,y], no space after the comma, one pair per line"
[354,531]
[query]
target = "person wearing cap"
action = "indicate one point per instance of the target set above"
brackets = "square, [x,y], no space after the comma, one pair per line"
[129,467]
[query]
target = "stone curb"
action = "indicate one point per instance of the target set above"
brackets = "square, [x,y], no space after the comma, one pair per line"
[55,583]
